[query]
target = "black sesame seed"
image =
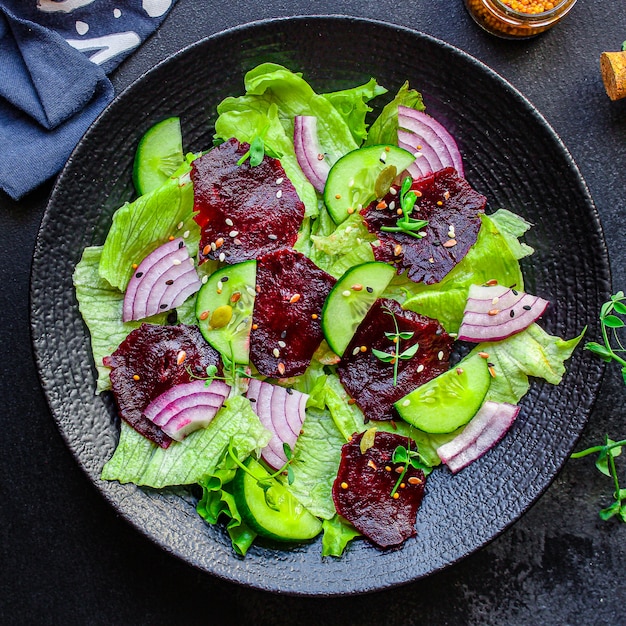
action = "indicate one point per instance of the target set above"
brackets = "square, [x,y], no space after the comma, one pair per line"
[138,274]
[181,244]
[283,334]
[252,399]
[515,292]
[163,306]
[289,390]
[369,289]
[172,317]
[526,307]
[169,282]
[512,313]
[224,279]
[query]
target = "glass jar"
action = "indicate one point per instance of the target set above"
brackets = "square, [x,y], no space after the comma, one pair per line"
[518,19]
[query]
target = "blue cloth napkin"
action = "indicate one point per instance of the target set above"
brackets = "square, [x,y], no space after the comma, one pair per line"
[54,59]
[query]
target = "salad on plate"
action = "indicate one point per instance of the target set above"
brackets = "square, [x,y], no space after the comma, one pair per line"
[306,319]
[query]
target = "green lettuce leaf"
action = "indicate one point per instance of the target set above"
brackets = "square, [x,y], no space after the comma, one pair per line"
[101,308]
[489,258]
[337,534]
[138,460]
[142,226]
[384,130]
[315,463]
[351,104]
[533,352]
[218,501]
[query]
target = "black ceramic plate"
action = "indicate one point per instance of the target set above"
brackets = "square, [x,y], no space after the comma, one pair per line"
[511,155]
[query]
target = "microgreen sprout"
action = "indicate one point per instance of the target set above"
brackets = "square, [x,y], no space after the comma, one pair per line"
[610,323]
[395,338]
[257,151]
[410,458]
[610,350]
[406,224]
[267,482]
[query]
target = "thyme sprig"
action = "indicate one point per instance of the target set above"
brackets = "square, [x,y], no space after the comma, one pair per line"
[611,321]
[405,223]
[395,337]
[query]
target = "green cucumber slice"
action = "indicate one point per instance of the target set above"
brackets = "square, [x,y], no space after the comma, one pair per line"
[350,299]
[352,180]
[450,400]
[224,309]
[272,512]
[159,154]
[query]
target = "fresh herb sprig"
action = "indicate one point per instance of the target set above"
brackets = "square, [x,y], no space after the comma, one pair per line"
[266,483]
[611,321]
[410,458]
[395,337]
[605,462]
[405,223]
[257,151]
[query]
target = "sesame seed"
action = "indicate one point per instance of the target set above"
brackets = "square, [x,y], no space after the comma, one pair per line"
[440,355]
[180,225]
[182,355]
[344,485]
[205,280]
[135,376]
[228,221]
[495,300]
[281,368]
[459,370]
[279,180]
[204,315]
[346,293]
[276,352]
[294,298]
[282,344]
[493,312]
[420,367]
[406,402]
[176,262]
[279,193]
[449,244]
[356,351]
[233,233]
[272,237]
[186,234]
[526,307]
[222,257]
[483,355]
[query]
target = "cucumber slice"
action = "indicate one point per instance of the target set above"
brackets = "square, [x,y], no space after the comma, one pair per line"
[159,154]
[224,310]
[350,299]
[355,179]
[285,520]
[450,400]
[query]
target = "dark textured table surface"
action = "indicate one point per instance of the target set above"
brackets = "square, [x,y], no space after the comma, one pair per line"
[67,558]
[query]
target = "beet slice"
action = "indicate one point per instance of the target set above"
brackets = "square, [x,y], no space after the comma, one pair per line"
[244,211]
[369,381]
[362,490]
[453,211]
[148,362]
[286,323]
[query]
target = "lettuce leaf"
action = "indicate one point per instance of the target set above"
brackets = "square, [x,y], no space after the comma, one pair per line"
[218,501]
[138,460]
[351,104]
[533,352]
[489,258]
[384,130]
[142,226]
[315,463]
[337,534]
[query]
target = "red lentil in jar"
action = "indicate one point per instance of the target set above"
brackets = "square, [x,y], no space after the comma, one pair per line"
[514,19]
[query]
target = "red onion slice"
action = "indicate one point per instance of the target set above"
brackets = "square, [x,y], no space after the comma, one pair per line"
[424,134]
[426,161]
[163,281]
[282,412]
[485,430]
[496,312]
[187,407]
[308,152]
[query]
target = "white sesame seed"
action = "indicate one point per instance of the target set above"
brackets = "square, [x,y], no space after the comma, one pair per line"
[213,246]
[392,205]
[282,344]
[346,293]
[222,257]
[279,181]
[228,221]
[356,351]
[440,355]
[220,285]
[186,234]
[272,237]
[205,280]
[180,225]
[276,352]
[420,367]
[233,233]
[393,191]
[191,261]
[279,193]
[383,156]
[176,262]
[406,402]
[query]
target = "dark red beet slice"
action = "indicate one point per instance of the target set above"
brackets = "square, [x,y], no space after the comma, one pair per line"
[244,211]
[369,381]
[286,323]
[362,490]
[453,211]
[147,363]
